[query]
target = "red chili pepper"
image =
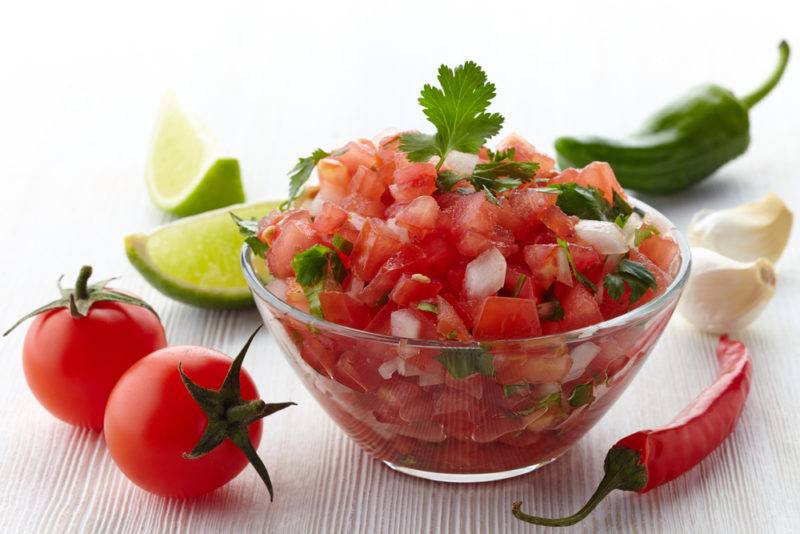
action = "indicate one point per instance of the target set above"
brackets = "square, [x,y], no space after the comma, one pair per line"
[647,459]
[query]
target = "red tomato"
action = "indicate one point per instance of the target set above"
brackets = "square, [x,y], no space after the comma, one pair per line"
[151,421]
[507,317]
[72,363]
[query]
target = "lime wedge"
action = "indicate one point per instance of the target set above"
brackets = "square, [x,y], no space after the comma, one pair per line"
[196,260]
[185,174]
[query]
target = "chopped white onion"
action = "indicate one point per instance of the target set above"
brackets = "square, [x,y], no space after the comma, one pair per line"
[401,232]
[633,223]
[461,163]
[405,324]
[605,236]
[485,275]
[387,369]
[581,355]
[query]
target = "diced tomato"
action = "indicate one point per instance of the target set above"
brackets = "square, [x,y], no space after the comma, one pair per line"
[449,323]
[318,353]
[409,259]
[333,179]
[419,216]
[530,368]
[580,307]
[548,264]
[519,282]
[662,251]
[363,206]
[440,253]
[330,219]
[524,151]
[415,180]
[343,309]
[381,321]
[375,244]
[473,213]
[597,174]
[414,288]
[559,223]
[366,183]
[357,153]
[295,234]
[295,295]
[358,371]
[507,317]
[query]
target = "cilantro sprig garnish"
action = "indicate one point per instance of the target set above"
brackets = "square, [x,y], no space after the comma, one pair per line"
[579,276]
[248,228]
[458,111]
[300,174]
[590,203]
[464,362]
[637,276]
[310,268]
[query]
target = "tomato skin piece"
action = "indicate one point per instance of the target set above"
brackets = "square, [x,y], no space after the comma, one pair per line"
[71,365]
[507,317]
[151,421]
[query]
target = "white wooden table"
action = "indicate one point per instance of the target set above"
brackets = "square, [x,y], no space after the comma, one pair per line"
[80,86]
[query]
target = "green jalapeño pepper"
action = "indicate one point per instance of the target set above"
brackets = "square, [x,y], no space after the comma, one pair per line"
[680,145]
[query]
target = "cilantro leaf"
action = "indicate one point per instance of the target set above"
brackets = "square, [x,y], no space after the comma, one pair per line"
[458,111]
[589,203]
[554,399]
[461,362]
[248,228]
[578,275]
[428,307]
[637,276]
[300,174]
[582,394]
[310,267]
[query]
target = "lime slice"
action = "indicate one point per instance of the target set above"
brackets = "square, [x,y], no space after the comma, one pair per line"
[196,260]
[185,174]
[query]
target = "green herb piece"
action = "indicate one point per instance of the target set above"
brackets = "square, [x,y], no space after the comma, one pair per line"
[461,362]
[550,310]
[452,334]
[500,173]
[510,390]
[578,275]
[345,246]
[310,267]
[428,307]
[637,276]
[446,180]
[589,203]
[418,277]
[642,233]
[300,174]
[554,399]
[582,394]
[458,111]
[248,228]
[520,284]
[621,220]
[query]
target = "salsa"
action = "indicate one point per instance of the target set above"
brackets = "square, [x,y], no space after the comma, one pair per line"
[469,263]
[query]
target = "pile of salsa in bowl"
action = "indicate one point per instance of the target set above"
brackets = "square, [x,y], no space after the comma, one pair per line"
[463,316]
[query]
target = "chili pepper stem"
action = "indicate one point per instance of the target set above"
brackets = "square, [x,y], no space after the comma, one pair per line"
[623,470]
[750,100]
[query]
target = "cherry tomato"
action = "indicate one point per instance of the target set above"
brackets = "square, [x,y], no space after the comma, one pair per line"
[152,420]
[73,355]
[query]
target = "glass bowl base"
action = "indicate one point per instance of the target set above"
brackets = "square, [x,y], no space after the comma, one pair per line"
[468,478]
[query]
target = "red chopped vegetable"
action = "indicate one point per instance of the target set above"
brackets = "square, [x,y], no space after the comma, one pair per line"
[649,458]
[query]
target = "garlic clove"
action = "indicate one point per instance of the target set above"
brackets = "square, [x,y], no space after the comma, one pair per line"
[723,295]
[758,229]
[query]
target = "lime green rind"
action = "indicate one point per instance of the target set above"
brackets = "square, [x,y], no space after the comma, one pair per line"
[221,186]
[152,261]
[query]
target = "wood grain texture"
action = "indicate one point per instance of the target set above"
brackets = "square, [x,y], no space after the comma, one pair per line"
[81,85]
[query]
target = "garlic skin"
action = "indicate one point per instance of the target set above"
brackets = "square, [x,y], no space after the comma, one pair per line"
[723,295]
[758,229]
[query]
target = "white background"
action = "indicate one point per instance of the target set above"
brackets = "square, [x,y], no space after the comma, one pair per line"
[80,83]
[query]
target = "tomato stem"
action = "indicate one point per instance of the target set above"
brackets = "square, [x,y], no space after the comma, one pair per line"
[229,416]
[81,284]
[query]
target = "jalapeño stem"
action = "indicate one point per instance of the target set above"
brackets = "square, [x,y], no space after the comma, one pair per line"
[750,100]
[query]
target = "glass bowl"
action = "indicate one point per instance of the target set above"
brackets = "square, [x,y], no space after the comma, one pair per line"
[533,399]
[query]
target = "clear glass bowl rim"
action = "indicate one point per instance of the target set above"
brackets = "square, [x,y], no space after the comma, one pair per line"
[580,334]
